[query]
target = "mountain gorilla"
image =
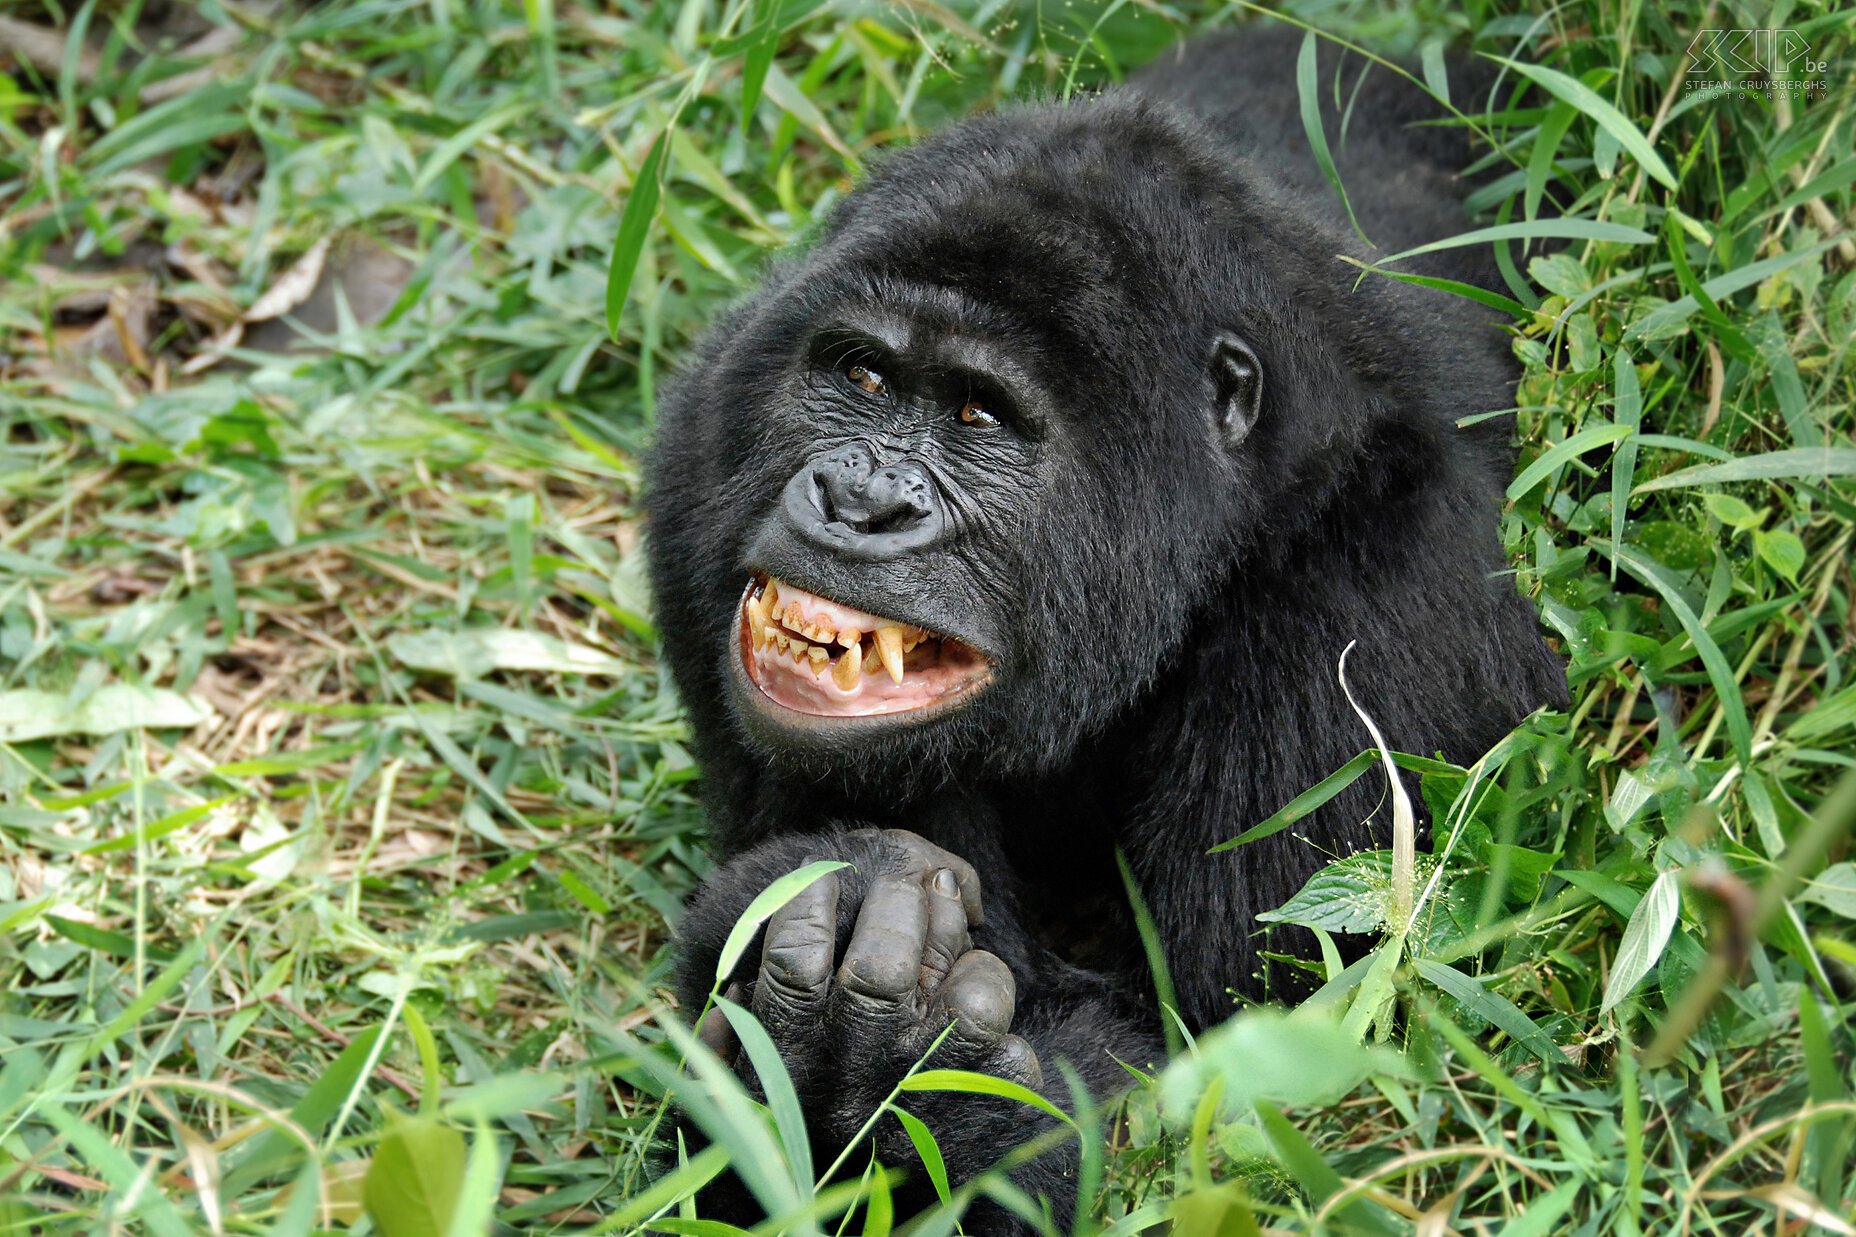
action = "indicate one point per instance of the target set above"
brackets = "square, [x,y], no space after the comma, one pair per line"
[1025,517]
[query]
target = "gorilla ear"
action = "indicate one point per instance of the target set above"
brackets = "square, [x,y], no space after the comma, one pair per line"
[1237,386]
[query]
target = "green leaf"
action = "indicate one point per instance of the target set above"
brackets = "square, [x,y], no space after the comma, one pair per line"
[1796,463]
[1627,411]
[634,227]
[1726,689]
[1301,1058]
[1156,954]
[1307,801]
[1546,148]
[1544,1212]
[103,940]
[769,900]
[759,58]
[1492,1008]
[416,1176]
[1782,550]
[1314,1174]
[1308,88]
[782,1101]
[1667,319]
[1645,937]
[1215,1211]
[1533,229]
[1348,895]
[1572,91]
[1834,889]
[1553,457]
[929,1150]
[970,1083]
[1728,510]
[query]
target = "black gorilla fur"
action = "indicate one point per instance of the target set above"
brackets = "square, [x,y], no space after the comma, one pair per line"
[1162,559]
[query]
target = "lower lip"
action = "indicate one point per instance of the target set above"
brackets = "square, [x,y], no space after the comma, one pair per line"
[797,688]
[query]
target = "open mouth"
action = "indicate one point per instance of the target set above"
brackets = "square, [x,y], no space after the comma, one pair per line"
[827,660]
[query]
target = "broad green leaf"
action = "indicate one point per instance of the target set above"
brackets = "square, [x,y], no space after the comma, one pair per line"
[416,1176]
[1492,1008]
[1728,510]
[475,1212]
[1576,93]
[1351,894]
[477,651]
[970,1083]
[1588,439]
[769,900]
[1834,889]
[1308,90]
[1796,463]
[1298,1059]
[634,227]
[27,713]
[928,1149]
[1782,550]
[1215,1211]
[1645,937]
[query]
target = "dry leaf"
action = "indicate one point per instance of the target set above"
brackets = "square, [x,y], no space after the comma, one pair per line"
[292,287]
[217,348]
[1795,1200]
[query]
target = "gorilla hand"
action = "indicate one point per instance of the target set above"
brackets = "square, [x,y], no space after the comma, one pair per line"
[861,972]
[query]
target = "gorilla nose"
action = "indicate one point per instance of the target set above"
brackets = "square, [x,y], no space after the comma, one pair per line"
[849,500]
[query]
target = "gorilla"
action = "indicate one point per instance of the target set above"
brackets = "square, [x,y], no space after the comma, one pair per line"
[1021,520]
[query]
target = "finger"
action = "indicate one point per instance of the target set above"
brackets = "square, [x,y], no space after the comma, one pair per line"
[1016,1059]
[796,955]
[924,856]
[947,929]
[980,994]
[883,960]
[718,1037]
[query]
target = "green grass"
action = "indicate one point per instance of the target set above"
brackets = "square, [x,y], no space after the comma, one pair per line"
[338,782]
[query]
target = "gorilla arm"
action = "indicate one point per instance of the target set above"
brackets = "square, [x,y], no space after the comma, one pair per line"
[857,976]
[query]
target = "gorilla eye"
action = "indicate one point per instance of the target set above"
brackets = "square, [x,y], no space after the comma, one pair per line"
[972,414]
[866,378]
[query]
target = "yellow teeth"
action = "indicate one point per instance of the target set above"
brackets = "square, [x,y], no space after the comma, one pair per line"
[889,648]
[800,649]
[849,637]
[757,613]
[848,668]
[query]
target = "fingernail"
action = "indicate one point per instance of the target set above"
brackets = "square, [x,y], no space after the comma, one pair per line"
[946,883]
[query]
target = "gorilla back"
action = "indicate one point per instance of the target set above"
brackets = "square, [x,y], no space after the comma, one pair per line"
[1025,517]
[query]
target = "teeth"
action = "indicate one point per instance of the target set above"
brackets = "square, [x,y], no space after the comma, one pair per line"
[800,648]
[779,638]
[793,618]
[761,634]
[824,634]
[889,648]
[849,667]
[770,596]
[849,637]
[757,612]
[817,656]
[909,642]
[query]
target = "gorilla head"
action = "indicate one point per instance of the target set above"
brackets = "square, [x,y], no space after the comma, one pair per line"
[971,468]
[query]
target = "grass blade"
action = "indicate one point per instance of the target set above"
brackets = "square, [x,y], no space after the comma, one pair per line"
[1576,93]
[1308,88]
[777,1085]
[970,1083]
[1492,1008]
[634,226]
[929,1150]
[1627,411]
[1588,439]
[765,903]
[1796,463]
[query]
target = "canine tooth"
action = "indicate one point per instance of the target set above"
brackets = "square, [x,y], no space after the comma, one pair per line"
[849,637]
[758,633]
[889,648]
[757,612]
[849,667]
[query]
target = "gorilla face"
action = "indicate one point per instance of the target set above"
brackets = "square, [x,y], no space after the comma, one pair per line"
[988,446]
